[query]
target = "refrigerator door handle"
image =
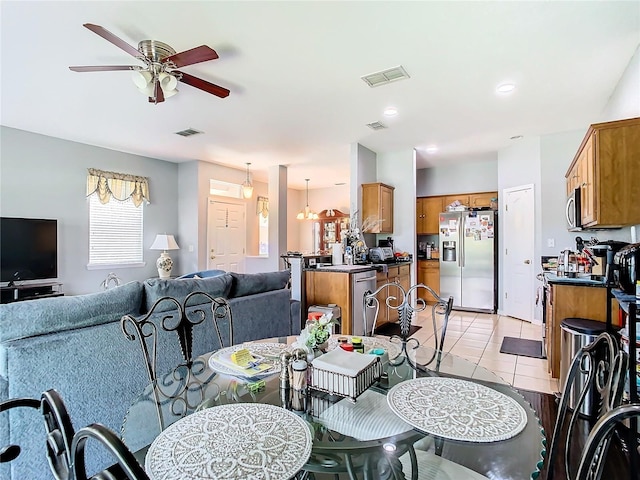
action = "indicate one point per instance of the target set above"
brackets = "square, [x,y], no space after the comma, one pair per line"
[461,238]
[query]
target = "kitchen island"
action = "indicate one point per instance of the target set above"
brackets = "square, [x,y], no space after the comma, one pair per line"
[572,297]
[345,285]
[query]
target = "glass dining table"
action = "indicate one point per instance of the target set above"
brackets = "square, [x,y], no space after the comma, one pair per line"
[431,415]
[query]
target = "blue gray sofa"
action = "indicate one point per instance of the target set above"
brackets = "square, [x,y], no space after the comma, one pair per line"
[75,345]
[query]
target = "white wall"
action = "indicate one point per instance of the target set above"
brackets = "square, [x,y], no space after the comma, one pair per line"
[480,176]
[45,177]
[625,99]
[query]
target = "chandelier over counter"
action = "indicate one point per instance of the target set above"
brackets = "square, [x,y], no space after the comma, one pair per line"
[307,214]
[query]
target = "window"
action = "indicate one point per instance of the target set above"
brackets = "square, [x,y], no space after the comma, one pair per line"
[115,233]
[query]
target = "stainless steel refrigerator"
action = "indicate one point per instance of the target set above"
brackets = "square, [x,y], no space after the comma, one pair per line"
[468,272]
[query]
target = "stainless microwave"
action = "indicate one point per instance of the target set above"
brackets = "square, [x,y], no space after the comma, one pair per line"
[573,211]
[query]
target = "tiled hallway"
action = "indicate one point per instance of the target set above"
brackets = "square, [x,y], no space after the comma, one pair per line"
[477,337]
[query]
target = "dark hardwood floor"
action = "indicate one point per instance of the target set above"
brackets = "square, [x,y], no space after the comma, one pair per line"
[616,467]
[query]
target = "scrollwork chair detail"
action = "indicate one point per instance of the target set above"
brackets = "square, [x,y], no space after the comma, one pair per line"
[58,431]
[595,450]
[10,452]
[604,367]
[127,467]
[404,302]
[182,386]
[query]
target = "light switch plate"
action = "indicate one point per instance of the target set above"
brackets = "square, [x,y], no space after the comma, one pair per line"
[551,242]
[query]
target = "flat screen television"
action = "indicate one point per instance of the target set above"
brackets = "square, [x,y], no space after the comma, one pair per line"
[28,249]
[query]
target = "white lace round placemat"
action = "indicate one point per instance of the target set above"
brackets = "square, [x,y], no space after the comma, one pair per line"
[269,351]
[457,409]
[235,441]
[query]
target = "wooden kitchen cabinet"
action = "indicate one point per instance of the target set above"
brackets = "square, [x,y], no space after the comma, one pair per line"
[377,202]
[482,200]
[428,210]
[447,200]
[333,226]
[323,288]
[606,168]
[400,274]
[565,301]
[429,274]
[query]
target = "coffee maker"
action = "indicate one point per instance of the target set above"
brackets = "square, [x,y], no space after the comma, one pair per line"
[604,253]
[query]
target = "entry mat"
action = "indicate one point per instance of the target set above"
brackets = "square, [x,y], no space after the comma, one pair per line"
[391,329]
[522,346]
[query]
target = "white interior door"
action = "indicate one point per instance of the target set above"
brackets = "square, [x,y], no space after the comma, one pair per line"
[226,235]
[518,227]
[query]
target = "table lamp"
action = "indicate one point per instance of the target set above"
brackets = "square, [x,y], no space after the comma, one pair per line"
[164,263]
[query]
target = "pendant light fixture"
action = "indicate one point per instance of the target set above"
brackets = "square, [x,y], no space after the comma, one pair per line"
[307,214]
[247,188]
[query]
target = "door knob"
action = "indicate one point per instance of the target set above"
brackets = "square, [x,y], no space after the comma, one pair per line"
[212,256]
[527,262]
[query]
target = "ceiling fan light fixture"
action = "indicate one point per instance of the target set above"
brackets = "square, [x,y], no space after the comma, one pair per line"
[141,78]
[247,187]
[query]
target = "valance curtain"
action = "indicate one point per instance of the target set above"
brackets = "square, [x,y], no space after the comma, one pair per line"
[117,185]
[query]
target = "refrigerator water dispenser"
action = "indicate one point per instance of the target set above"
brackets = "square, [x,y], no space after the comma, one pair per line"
[449,251]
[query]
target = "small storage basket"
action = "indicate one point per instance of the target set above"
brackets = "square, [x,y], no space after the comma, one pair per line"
[345,385]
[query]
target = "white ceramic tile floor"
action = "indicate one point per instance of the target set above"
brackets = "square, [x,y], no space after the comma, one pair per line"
[478,337]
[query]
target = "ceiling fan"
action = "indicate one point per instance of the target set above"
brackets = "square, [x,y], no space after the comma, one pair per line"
[158,77]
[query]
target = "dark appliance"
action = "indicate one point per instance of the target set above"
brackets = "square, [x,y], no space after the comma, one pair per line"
[573,211]
[28,249]
[604,253]
[627,261]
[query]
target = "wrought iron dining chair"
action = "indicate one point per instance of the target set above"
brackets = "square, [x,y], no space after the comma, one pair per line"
[126,466]
[596,448]
[10,452]
[58,431]
[408,303]
[167,330]
[601,366]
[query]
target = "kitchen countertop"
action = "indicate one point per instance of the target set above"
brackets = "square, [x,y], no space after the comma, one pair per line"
[553,278]
[357,268]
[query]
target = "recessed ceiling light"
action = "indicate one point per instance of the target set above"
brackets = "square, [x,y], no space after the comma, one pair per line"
[506,88]
[339,184]
[516,137]
[431,149]
[390,111]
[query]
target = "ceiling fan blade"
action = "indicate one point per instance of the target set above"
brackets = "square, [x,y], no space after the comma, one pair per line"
[110,37]
[189,57]
[204,85]
[102,68]
[158,94]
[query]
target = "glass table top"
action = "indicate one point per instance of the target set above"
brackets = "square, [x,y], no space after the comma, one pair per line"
[365,435]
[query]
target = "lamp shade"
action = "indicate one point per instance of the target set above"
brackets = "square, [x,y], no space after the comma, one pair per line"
[164,242]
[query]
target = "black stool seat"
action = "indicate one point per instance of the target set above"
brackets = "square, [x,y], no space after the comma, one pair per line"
[584,326]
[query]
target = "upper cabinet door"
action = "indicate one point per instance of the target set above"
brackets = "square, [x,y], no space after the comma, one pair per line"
[377,204]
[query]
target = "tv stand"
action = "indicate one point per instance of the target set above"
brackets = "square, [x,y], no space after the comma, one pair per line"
[18,293]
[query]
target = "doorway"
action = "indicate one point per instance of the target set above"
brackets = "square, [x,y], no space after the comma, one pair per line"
[226,235]
[518,222]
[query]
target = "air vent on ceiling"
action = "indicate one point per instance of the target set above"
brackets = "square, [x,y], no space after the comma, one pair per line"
[385,76]
[188,132]
[376,125]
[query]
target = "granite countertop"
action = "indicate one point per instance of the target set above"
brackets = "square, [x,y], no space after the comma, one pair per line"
[343,268]
[553,278]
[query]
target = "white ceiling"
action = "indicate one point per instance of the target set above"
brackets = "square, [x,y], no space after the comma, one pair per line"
[294,71]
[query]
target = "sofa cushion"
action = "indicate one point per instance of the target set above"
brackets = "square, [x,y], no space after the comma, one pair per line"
[46,315]
[156,288]
[252,283]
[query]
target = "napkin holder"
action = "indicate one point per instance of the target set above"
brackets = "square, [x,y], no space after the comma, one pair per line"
[346,374]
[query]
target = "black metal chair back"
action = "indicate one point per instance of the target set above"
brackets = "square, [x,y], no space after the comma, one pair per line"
[599,370]
[10,452]
[594,454]
[59,434]
[180,386]
[126,466]
[407,303]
